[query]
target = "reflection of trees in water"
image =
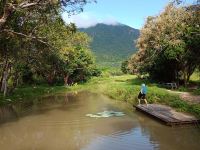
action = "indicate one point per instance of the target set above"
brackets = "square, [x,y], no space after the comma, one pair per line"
[7,113]
[43,104]
[170,138]
[69,96]
[13,111]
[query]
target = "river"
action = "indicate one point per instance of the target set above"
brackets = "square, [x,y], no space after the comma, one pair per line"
[60,122]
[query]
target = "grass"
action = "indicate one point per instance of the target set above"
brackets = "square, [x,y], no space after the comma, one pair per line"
[28,93]
[122,87]
[126,88]
[194,84]
[195,77]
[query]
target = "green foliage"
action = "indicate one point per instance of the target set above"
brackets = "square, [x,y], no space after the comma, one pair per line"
[36,43]
[169,45]
[84,67]
[124,67]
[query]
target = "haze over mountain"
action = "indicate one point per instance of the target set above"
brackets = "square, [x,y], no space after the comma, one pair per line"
[112,43]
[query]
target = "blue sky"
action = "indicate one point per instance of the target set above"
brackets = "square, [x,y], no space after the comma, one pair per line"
[130,12]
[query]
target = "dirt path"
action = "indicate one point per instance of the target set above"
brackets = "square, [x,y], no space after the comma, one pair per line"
[186,96]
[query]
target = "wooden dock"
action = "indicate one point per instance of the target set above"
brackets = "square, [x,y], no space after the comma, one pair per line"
[167,114]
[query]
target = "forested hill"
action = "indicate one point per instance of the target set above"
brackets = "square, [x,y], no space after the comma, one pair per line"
[112,43]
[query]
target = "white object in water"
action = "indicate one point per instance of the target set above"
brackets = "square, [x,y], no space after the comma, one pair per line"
[106,114]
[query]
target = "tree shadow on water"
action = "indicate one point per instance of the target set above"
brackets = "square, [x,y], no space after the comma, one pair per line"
[41,106]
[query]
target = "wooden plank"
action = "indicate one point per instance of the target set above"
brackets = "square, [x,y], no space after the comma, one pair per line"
[167,115]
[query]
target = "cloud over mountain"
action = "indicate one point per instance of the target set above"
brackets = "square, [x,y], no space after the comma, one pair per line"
[86,19]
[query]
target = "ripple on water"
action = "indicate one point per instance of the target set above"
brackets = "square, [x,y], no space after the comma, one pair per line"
[129,140]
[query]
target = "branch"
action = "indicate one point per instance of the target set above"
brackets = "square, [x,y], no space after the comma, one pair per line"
[9,8]
[26,4]
[39,39]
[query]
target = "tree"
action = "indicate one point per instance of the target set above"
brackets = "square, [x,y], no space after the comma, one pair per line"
[169,44]
[124,67]
[25,35]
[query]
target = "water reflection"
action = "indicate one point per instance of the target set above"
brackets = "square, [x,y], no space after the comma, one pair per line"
[173,138]
[59,122]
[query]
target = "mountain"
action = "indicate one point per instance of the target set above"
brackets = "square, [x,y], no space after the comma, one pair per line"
[112,43]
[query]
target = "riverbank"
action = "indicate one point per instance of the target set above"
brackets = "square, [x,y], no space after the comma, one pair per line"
[126,88]
[28,93]
[123,88]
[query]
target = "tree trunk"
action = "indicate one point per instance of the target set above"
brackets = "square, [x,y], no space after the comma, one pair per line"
[4,82]
[2,73]
[187,72]
[1,77]
[5,85]
[15,80]
[185,78]
[50,79]
[66,77]
[5,69]
[8,9]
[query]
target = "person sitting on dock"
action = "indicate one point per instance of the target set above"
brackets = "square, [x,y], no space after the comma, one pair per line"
[142,94]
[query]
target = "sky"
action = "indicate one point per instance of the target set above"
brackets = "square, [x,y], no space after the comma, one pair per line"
[129,12]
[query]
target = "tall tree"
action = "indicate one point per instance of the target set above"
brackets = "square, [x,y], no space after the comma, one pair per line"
[169,44]
[23,33]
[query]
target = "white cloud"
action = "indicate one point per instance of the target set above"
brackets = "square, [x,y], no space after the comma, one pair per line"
[110,21]
[86,19]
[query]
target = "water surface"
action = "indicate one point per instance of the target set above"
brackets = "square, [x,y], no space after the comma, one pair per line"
[60,123]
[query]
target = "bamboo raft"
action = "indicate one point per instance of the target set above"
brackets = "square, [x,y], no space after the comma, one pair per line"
[167,115]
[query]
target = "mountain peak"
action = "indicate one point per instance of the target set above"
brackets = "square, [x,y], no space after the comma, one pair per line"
[116,24]
[112,43]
